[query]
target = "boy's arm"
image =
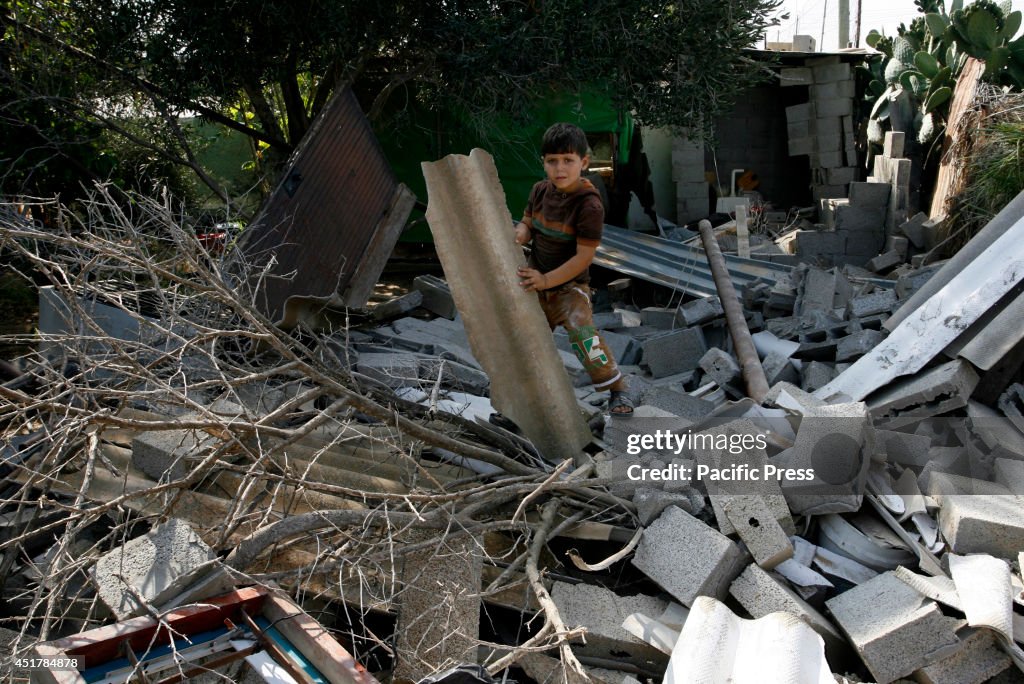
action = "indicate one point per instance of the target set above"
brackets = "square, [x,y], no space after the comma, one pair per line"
[532,280]
[523,233]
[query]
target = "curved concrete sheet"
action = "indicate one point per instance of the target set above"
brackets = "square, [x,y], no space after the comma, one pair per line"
[716,646]
[507,330]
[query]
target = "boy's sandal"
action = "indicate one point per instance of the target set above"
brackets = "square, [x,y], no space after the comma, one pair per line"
[620,405]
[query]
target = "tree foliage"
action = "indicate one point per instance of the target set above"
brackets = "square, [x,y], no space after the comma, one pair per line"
[267,67]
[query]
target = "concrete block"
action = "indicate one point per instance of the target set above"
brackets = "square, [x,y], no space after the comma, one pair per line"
[830,159]
[815,375]
[609,320]
[870,195]
[720,366]
[651,503]
[756,525]
[677,403]
[885,261]
[760,593]
[855,218]
[798,146]
[394,370]
[858,344]
[824,92]
[169,455]
[623,347]
[777,368]
[399,306]
[437,297]
[862,245]
[792,76]
[1009,472]
[892,147]
[913,229]
[811,243]
[843,175]
[894,628]
[674,352]
[796,130]
[454,375]
[978,660]
[927,393]
[830,73]
[877,302]
[602,612]
[803,112]
[908,284]
[658,317]
[712,560]
[903,448]
[160,565]
[700,311]
[980,521]
[834,108]
[898,244]
[820,192]
[828,131]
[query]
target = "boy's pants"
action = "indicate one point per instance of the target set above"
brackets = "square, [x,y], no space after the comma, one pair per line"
[569,306]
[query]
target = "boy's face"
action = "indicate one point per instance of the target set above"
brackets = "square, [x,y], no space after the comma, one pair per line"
[564,168]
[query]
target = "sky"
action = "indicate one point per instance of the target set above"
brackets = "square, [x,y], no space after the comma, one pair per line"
[805,17]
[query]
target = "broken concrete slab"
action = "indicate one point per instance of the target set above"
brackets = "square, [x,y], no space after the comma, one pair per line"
[437,296]
[658,317]
[602,612]
[880,301]
[884,261]
[932,392]
[700,311]
[858,344]
[468,216]
[399,306]
[894,629]
[978,659]
[651,503]
[720,366]
[778,368]
[159,565]
[713,560]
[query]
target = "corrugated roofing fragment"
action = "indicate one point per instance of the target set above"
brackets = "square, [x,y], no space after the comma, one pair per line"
[717,646]
[473,232]
[330,225]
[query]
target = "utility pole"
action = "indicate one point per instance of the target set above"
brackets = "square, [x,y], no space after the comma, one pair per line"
[824,14]
[844,23]
[856,26]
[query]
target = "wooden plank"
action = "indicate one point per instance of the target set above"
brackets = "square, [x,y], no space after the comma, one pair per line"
[949,181]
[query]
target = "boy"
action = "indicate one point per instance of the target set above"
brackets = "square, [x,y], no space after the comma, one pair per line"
[564,218]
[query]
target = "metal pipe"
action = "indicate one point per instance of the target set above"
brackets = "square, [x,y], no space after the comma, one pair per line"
[750,364]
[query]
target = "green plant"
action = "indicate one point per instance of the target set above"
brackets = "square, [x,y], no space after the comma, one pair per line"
[911,87]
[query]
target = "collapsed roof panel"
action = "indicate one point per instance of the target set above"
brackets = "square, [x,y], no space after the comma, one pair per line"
[330,225]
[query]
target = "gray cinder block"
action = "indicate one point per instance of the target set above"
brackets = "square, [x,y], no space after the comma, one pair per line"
[160,565]
[720,366]
[978,660]
[602,612]
[756,525]
[674,352]
[437,296]
[713,561]
[894,629]
[700,311]
[858,344]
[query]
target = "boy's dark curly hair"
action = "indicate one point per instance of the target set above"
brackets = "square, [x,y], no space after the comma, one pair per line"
[562,138]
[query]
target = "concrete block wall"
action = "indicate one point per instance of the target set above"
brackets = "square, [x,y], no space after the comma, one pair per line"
[752,137]
[823,128]
[691,184]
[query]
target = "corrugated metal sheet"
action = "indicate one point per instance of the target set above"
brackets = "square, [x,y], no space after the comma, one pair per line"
[674,264]
[330,207]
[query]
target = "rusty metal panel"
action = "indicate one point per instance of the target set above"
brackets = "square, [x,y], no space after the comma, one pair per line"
[507,330]
[337,202]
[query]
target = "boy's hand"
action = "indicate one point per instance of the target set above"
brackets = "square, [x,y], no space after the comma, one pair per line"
[522,234]
[531,280]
